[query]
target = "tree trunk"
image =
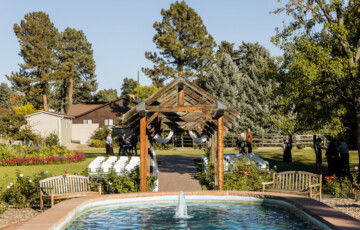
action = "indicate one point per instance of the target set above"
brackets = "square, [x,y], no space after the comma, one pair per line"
[357,109]
[71,91]
[44,94]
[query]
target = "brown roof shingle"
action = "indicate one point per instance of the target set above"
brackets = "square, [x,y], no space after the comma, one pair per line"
[77,109]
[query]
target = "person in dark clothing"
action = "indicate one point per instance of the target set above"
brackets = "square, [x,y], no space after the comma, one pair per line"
[287,146]
[343,149]
[332,156]
[318,148]
[133,143]
[123,143]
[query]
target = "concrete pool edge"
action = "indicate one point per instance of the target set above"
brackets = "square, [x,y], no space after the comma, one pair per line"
[63,212]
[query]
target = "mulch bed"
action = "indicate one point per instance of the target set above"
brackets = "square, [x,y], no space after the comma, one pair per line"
[348,206]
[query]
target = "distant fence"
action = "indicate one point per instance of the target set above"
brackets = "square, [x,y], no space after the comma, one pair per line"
[265,140]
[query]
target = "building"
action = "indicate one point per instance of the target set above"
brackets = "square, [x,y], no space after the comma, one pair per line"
[102,114]
[45,123]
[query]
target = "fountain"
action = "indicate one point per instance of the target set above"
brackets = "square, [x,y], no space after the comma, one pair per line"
[181,208]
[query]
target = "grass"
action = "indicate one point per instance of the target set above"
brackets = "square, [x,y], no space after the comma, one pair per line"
[303,160]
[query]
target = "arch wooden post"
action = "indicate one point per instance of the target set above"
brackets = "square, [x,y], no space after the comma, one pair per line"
[221,149]
[143,152]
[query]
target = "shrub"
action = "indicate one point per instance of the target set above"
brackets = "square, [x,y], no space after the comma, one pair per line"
[246,177]
[28,135]
[101,133]
[3,207]
[51,140]
[126,183]
[300,146]
[339,187]
[102,144]
[159,146]
[24,191]
[26,109]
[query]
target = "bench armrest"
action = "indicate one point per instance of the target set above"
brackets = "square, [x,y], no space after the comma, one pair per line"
[98,184]
[46,188]
[265,183]
[314,185]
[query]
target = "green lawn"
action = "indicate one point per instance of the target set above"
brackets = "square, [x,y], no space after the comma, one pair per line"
[302,160]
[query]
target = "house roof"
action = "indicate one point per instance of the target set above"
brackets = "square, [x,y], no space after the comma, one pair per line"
[199,111]
[50,113]
[78,110]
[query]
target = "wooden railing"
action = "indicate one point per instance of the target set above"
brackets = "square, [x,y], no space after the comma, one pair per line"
[264,140]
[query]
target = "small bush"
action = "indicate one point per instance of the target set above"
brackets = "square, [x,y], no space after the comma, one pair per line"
[3,207]
[24,191]
[300,146]
[339,187]
[245,177]
[129,182]
[101,133]
[51,140]
[159,146]
[102,144]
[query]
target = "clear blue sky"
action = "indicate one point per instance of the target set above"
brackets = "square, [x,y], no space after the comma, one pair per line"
[121,30]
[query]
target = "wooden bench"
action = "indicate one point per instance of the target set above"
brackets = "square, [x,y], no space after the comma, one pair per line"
[295,182]
[63,187]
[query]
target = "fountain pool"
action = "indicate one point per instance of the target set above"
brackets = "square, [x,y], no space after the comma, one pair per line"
[207,212]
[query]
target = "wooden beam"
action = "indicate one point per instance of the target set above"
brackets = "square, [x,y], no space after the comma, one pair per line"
[221,152]
[143,154]
[181,108]
[207,114]
[155,115]
[181,93]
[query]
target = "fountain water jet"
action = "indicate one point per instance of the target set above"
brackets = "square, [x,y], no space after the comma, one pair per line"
[181,208]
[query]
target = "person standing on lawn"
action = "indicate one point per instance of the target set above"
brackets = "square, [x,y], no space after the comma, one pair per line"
[343,149]
[332,156]
[287,149]
[249,140]
[133,143]
[109,147]
[318,148]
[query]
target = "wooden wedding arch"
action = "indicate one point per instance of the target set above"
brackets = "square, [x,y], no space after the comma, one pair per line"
[181,105]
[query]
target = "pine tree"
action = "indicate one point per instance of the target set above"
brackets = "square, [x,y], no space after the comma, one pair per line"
[106,95]
[38,39]
[5,94]
[128,86]
[184,43]
[76,79]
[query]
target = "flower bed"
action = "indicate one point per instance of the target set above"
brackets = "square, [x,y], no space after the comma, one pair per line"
[78,156]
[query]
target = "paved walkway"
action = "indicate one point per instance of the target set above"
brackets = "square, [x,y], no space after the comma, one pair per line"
[176,173]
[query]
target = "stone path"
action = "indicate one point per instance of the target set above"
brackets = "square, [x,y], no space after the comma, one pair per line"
[176,173]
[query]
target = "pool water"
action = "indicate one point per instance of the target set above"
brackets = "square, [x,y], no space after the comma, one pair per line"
[213,215]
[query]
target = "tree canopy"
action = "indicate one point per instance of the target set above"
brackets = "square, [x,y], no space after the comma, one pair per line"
[5,94]
[128,86]
[184,43]
[106,95]
[321,58]
[143,92]
[38,37]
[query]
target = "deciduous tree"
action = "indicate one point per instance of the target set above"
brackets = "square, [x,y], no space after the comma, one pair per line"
[106,95]
[321,56]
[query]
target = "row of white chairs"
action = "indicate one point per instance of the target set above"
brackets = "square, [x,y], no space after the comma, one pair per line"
[101,166]
[229,161]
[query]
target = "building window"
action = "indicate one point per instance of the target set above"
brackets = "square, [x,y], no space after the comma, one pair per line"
[87,121]
[109,122]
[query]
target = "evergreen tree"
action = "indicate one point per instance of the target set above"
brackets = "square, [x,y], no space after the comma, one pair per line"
[226,82]
[38,39]
[5,94]
[106,95]
[128,86]
[186,47]
[76,69]
[255,62]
